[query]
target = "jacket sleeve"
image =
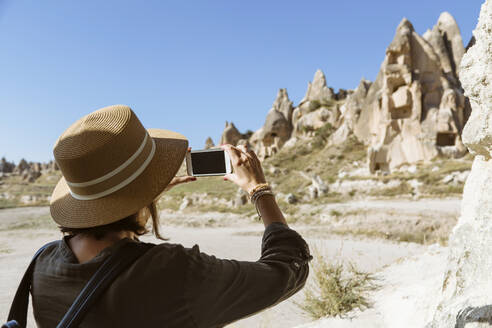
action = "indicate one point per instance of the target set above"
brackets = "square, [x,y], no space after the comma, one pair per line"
[221,291]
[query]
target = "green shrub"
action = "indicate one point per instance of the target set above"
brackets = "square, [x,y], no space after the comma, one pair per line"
[321,135]
[337,289]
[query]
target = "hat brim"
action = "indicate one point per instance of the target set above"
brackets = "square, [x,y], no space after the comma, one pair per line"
[169,154]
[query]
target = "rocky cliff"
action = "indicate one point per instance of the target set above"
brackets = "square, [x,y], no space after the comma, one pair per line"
[413,112]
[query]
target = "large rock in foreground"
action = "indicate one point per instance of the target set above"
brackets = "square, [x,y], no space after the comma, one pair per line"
[467,284]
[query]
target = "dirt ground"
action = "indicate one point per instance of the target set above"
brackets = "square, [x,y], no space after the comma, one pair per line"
[399,264]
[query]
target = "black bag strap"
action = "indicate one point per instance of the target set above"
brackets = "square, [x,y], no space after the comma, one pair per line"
[18,309]
[101,280]
[104,276]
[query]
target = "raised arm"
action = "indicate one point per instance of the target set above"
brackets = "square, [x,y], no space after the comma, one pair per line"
[222,291]
[248,174]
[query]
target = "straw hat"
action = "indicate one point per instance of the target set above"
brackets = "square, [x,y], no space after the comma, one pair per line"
[112,167]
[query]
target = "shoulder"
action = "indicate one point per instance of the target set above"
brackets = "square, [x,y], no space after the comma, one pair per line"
[166,252]
[48,250]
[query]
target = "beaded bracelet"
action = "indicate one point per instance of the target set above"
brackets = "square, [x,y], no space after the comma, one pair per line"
[260,193]
[256,195]
[261,186]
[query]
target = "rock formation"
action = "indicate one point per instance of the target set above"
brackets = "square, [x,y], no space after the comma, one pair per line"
[5,166]
[209,143]
[318,107]
[415,110]
[467,285]
[231,134]
[350,112]
[28,171]
[277,128]
[23,165]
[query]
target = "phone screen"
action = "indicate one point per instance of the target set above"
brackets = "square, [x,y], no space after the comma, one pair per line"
[208,162]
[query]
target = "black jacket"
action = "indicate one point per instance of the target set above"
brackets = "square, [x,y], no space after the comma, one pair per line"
[173,286]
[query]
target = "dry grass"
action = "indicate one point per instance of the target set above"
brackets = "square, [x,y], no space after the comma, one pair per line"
[402,189]
[396,226]
[313,158]
[4,249]
[337,289]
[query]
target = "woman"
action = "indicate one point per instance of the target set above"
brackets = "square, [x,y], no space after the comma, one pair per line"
[114,171]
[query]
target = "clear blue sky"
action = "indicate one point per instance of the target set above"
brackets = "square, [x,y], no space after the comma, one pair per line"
[183,65]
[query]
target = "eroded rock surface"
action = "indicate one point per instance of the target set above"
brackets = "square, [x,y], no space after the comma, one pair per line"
[209,143]
[318,107]
[350,112]
[230,135]
[467,285]
[277,128]
[415,110]
[28,171]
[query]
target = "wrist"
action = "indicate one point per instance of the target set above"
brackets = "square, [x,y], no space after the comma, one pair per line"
[254,187]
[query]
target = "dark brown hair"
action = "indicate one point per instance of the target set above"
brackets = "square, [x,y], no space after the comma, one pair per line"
[129,223]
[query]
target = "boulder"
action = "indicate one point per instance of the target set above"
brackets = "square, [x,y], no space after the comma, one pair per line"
[466,299]
[318,187]
[241,198]
[187,202]
[291,198]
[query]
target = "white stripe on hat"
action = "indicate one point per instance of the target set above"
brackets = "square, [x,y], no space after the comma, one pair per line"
[124,182]
[115,171]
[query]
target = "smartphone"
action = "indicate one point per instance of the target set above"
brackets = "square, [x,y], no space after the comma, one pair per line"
[208,162]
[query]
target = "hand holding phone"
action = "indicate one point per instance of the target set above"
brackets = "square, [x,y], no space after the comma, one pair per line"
[248,172]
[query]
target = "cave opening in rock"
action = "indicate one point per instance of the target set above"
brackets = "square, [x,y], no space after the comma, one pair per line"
[446,139]
[398,113]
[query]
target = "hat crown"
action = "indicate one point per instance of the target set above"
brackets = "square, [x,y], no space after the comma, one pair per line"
[98,143]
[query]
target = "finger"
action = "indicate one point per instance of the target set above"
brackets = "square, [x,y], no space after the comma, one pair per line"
[189,149]
[253,155]
[242,149]
[183,179]
[233,152]
[245,156]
